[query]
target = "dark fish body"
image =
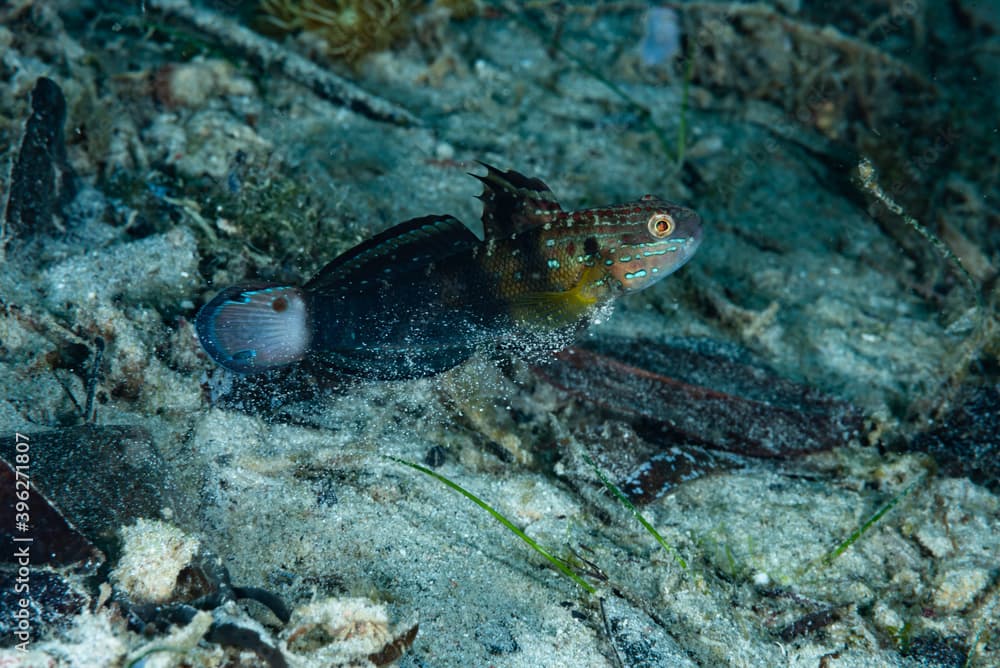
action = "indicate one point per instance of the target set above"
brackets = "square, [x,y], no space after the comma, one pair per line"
[420,297]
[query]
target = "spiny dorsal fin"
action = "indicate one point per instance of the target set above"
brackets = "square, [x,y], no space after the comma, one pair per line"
[513,202]
[410,245]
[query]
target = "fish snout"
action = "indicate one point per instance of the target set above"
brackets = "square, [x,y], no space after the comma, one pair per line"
[688,230]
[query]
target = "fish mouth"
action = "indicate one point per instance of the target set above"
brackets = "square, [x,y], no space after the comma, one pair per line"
[694,241]
[689,223]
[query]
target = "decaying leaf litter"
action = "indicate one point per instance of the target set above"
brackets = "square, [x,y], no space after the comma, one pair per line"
[200,162]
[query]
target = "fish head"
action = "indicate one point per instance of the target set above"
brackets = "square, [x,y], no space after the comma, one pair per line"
[650,239]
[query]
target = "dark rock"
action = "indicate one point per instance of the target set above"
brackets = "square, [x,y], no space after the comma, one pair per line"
[47,536]
[42,181]
[51,601]
[937,652]
[95,479]
[638,640]
[496,637]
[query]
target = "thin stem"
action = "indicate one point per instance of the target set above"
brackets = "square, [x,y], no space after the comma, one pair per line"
[555,561]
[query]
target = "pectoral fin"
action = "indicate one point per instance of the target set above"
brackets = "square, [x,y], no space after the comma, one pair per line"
[559,309]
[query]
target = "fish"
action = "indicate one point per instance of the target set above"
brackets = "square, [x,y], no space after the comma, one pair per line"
[426,294]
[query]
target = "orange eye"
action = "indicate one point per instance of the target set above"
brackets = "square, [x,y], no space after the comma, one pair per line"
[660,225]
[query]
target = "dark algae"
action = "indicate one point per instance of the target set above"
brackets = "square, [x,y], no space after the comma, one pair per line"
[691,408]
[965,441]
[704,393]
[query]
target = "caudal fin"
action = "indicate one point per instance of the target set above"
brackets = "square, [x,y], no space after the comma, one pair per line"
[249,328]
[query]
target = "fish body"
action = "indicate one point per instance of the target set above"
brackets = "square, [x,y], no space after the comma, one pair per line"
[422,296]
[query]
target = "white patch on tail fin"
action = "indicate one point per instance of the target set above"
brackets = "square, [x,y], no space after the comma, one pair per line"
[255,327]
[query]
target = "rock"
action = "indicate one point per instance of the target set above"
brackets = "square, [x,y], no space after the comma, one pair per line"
[959,587]
[153,555]
[496,637]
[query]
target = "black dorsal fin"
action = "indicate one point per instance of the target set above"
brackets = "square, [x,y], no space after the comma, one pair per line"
[404,247]
[513,202]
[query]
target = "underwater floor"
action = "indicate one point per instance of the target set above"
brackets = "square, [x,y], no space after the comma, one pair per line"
[785,453]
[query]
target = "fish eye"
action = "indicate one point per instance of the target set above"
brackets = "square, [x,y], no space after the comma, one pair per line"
[661,225]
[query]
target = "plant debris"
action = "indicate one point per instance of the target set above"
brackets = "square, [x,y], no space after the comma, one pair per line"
[703,394]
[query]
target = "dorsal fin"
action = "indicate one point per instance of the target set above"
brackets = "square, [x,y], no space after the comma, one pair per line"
[513,202]
[405,247]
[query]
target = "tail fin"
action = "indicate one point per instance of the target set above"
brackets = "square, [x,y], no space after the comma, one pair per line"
[249,328]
